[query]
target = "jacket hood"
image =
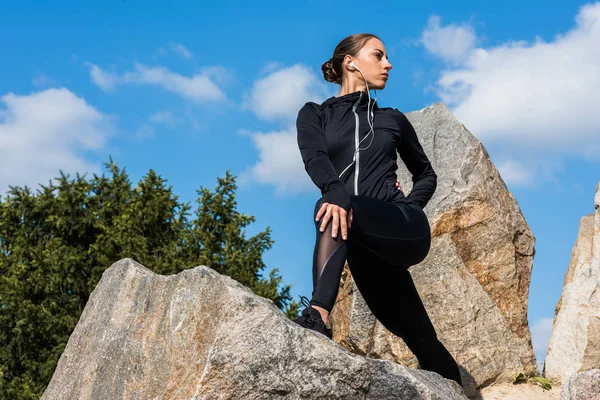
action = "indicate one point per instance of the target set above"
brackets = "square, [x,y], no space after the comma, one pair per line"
[348,100]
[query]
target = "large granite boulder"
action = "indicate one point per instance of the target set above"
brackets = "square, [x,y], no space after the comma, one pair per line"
[201,335]
[582,386]
[575,342]
[475,281]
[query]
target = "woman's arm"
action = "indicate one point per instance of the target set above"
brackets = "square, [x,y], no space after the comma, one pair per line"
[411,152]
[317,164]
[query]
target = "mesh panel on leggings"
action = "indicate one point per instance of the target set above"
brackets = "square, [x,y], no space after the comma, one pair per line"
[328,262]
[325,248]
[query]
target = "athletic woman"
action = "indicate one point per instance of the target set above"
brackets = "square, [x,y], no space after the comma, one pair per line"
[349,147]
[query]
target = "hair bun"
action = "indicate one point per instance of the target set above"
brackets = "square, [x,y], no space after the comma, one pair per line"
[328,72]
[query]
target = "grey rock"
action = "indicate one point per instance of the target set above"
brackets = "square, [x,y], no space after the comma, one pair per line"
[575,341]
[202,335]
[582,386]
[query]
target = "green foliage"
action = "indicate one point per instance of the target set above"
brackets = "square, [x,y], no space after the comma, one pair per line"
[55,245]
[520,378]
[543,382]
[538,380]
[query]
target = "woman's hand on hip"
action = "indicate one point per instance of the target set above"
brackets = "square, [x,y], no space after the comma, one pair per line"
[338,216]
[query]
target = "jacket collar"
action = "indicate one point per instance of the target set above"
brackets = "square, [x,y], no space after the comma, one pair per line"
[348,100]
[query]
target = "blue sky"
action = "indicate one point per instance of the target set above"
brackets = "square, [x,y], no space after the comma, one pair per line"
[191,89]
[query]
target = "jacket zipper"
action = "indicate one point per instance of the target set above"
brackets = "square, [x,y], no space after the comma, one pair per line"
[356,170]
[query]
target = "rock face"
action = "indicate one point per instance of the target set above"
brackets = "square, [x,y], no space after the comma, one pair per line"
[202,335]
[575,342]
[582,386]
[475,280]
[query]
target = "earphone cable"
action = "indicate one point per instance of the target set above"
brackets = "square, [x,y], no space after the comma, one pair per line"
[370,121]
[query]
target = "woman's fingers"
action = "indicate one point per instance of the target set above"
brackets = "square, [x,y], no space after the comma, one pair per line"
[321,211]
[335,222]
[326,217]
[338,217]
[344,223]
[398,185]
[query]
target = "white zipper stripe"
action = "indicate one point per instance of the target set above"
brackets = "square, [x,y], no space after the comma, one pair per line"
[356,170]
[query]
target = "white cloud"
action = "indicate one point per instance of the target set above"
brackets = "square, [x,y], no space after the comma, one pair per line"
[278,97]
[536,99]
[271,66]
[106,80]
[43,80]
[539,94]
[161,117]
[279,162]
[452,43]
[515,172]
[540,337]
[198,88]
[165,118]
[218,73]
[144,132]
[181,50]
[281,94]
[161,52]
[524,168]
[45,131]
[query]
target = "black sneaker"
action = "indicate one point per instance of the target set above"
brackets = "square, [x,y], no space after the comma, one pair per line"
[311,319]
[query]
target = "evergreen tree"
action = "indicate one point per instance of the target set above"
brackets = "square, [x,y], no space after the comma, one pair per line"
[55,245]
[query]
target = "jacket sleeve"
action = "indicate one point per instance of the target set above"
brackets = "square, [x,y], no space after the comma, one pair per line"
[317,164]
[411,152]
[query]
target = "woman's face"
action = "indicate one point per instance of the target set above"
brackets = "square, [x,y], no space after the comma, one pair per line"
[373,63]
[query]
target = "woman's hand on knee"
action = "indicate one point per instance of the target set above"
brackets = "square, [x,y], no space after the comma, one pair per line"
[338,216]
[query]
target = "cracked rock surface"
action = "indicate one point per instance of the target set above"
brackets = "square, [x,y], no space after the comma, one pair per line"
[582,386]
[202,335]
[575,341]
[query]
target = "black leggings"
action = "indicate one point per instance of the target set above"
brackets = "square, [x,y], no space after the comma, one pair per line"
[385,239]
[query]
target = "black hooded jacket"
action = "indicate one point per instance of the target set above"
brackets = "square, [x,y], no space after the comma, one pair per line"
[327,138]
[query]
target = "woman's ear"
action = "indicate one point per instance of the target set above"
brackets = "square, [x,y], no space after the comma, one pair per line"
[348,63]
